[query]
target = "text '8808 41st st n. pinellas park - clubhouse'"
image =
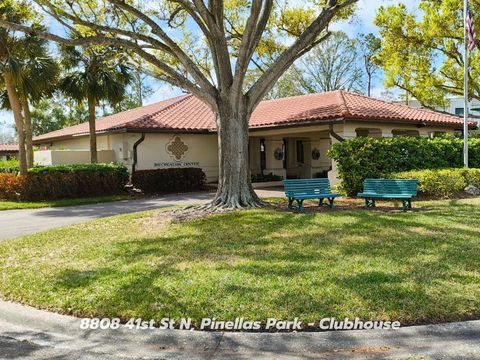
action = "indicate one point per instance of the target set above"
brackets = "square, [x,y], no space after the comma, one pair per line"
[289,137]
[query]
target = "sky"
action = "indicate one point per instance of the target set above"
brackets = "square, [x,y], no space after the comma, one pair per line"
[362,23]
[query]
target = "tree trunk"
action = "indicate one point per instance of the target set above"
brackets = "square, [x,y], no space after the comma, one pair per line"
[28,131]
[369,91]
[93,132]
[234,183]
[17,115]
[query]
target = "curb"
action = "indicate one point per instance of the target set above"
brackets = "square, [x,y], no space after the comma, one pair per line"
[51,329]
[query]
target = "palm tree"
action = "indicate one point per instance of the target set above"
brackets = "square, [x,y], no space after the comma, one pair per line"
[94,74]
[40,75]
[12,54]
[35,79]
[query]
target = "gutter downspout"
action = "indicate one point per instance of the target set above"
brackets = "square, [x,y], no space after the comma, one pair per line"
[334,134]
[135,154]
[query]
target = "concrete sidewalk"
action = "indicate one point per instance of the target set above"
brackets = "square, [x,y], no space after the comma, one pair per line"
[33,334]
[14,223]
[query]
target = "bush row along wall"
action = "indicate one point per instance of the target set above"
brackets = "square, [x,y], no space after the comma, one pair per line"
[168,180]
[442,183]
[361,158]
[64,182]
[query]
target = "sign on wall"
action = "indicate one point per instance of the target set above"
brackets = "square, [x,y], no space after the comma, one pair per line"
[176,164]
[177,148]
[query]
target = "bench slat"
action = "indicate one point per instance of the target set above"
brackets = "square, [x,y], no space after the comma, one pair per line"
[303,189]
[402,189]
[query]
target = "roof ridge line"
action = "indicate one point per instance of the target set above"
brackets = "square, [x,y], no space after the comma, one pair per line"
[343,103]
[392,102]
[183,98]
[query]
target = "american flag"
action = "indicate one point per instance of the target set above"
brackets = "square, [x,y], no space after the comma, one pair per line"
[472,36]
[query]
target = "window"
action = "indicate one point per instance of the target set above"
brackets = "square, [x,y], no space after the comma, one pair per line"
[435,134]
[300,152]
[459,111]
[362,132]
[263,155]
[411,133]
[284,153]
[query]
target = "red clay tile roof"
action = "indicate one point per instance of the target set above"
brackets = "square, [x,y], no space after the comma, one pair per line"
[8,148]
[187,113]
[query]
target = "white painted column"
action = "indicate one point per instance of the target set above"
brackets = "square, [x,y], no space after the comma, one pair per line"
[387,133]
[255,155]
[273,165]
[346,134]
[324,162]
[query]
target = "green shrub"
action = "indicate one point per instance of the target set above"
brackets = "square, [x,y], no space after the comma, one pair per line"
[259,178]
[9,166]
[169,180]
[361,158]
[442,183]
[63,182]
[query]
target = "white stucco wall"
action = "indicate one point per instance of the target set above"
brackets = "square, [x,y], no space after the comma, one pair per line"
[65,157]
[202,148]
[202,152]
[152,152]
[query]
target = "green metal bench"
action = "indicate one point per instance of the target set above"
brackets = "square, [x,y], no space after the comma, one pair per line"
[403,190]
[302,189]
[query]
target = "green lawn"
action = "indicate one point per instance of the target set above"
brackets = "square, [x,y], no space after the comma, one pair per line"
[415,267]
[12,205]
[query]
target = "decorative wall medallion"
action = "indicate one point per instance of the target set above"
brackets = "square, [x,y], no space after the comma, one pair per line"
[278,154]
[176,148]
[315,154]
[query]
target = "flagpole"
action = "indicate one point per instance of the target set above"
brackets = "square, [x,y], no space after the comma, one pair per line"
[465,89]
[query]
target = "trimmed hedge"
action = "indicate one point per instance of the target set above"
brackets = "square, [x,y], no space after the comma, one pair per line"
[443,183]
[259,178]
[64,182]
[169,180]
[9,166]
[361,158]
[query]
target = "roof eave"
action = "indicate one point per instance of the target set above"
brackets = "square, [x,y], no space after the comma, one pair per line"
[124,130]
[305,123]
[424,123]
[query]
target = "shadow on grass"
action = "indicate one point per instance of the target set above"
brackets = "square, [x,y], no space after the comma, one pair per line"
[413,267]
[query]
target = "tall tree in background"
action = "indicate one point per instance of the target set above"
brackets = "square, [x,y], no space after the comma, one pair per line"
[235,36]
[332,65]
[335,64]
[38,81]
[94,74]
[14,47]
[369,46]
[7,133]
[423,55]
[290,84]
[57,113]
[138,90]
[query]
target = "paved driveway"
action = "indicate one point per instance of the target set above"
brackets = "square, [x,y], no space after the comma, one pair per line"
[14,223]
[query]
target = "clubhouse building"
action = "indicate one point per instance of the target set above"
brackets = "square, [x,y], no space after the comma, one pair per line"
[289,137]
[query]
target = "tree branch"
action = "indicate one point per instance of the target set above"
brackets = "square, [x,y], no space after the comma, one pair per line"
[251,37]
[183,58]
[302,45]
[179,80]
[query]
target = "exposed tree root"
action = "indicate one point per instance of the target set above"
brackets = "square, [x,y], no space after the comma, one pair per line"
[221,204]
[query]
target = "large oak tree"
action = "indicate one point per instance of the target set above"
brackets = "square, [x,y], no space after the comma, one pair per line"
[422,52]
[206,47]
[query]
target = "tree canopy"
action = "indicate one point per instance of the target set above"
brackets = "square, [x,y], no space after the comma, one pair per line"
[423,54]
[202,46]
[208,48]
